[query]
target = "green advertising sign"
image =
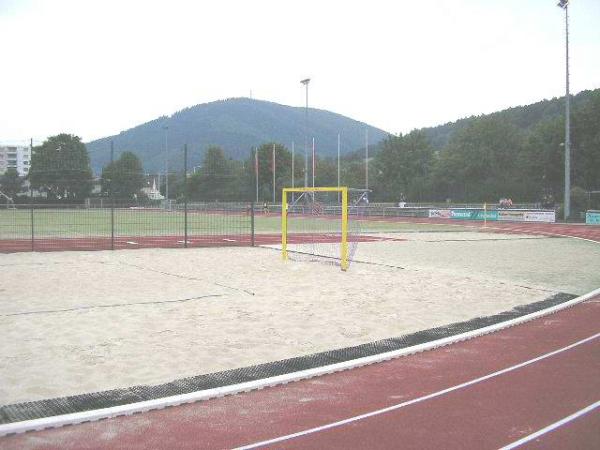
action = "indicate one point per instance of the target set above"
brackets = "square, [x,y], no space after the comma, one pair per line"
[473,214]
[592,217]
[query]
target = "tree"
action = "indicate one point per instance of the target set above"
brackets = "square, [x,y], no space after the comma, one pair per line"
[541,163]
[123,178]
[215,179]
[480,162]
[283,170]
[61,168]
[402,167]
[586,143]
[10,183]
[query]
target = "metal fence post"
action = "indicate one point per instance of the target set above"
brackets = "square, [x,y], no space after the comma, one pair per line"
[252,223]
[112,200]
[185,208]
[31,216]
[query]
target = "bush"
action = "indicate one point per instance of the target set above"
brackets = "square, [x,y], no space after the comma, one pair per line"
[579,200]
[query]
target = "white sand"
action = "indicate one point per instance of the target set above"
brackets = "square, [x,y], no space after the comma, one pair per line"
[247,307]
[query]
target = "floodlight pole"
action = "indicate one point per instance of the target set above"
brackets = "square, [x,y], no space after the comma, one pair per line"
[293,157]
[305,83]
[166,128]
[564,4]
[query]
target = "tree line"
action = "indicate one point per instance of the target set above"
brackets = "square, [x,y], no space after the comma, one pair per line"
[489,157]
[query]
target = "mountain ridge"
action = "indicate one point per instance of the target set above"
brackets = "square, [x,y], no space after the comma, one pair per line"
[236,125]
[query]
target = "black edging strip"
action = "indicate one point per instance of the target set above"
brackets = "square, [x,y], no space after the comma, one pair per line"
[86,402]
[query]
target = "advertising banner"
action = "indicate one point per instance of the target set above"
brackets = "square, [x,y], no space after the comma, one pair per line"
[508,215]
[511,215]
[592,217]
[463,214]
[440,213]
[539,216]
[474,214]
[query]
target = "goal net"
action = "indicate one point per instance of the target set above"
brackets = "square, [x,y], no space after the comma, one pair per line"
[321,223]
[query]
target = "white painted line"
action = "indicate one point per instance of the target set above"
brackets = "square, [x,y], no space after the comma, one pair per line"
[230,240]
[574,237]
[132,243]
[542,233]
[552,427]
[418,399]
[84,416]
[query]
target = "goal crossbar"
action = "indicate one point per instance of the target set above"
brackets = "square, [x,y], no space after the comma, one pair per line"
[343,191]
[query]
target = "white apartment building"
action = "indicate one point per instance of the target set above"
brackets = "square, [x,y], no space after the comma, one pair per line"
[15,157]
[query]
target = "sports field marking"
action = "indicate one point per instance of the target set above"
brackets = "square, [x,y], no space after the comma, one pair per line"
[552,427]
[419,399]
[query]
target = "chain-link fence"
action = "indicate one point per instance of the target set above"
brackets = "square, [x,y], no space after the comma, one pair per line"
[61,205]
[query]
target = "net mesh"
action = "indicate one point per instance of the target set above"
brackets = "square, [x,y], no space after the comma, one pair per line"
[314,225]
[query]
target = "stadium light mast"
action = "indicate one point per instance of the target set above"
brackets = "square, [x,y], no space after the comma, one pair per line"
[305,83]
[564,4]
[166,128]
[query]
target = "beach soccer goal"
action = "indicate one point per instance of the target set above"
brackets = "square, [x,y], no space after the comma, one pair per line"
[321,223]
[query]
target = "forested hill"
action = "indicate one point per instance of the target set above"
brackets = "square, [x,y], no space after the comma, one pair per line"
[523,117]
[235,125]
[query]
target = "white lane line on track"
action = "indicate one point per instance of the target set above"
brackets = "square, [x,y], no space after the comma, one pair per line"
[418,399]
[552,427]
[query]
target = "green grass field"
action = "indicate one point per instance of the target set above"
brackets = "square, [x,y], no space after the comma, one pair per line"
[16,224]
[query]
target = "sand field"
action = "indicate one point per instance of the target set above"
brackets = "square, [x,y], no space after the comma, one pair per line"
[77,322]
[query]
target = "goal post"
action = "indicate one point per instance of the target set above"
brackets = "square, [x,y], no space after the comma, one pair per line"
[338,237]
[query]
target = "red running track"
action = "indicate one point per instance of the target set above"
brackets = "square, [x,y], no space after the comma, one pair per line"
[590,232]
[174,241]
[490,413]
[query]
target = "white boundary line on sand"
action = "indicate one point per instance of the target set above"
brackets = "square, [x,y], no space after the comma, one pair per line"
[104,413]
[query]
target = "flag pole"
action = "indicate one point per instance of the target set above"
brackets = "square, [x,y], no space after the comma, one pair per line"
[256,171]
[273,173]
[313,161]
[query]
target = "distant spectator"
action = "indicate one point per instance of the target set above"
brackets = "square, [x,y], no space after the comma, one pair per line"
[402,202]
[548,201]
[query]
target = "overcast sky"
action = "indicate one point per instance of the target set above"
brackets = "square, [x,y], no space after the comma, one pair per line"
[95,68]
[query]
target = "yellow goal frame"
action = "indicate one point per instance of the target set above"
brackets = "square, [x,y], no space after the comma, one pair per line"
[284,210]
